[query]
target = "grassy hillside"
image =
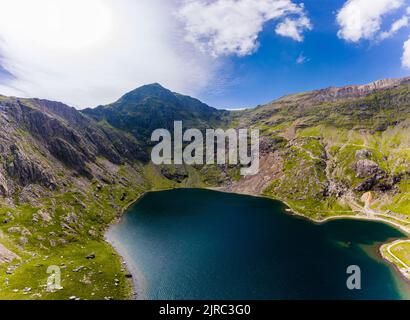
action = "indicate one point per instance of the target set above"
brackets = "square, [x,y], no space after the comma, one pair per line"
[333,151]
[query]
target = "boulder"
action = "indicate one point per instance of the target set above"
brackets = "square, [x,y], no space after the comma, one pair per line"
[6,255]
[4,190]
[91,256]
[14,230]
[367,168]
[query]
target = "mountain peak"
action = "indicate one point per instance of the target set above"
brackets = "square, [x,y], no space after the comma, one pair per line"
[155,84]
[153,90]
[152,86]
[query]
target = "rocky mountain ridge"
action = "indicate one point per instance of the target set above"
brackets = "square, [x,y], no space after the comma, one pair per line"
[348,92]
[355,91]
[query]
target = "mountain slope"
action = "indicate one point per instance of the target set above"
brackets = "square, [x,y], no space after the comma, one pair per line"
[63,178]
[152,107]
[328,147]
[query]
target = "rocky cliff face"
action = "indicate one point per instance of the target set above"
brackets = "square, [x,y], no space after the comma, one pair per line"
[43,140]
[360,90]
[63,178]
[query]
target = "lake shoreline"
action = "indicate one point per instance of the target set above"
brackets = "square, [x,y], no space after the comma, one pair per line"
[295,213]
[288,210]
[137,279]
[120,253]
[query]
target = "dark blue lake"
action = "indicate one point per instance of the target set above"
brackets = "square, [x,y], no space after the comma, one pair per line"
[201,244]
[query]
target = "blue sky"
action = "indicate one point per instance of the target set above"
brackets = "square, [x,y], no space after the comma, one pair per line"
[228,53]
[330,61]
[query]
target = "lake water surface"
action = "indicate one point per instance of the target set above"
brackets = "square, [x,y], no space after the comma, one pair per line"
[201,244]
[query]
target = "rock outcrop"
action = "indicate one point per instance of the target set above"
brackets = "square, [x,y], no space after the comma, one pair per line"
[6,255]
[42,141]
[367,168]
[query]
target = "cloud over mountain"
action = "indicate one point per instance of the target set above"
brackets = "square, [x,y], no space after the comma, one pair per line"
[89,52]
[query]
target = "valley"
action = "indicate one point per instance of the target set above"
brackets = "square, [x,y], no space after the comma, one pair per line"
[66,175]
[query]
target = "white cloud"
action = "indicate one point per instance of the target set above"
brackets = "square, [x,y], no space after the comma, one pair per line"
[293,28]
[91,52]
[396,26]
[224,27]
[362,19]
[301,59]
[406,55]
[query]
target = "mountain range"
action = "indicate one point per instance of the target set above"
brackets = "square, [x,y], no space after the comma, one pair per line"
[66,174]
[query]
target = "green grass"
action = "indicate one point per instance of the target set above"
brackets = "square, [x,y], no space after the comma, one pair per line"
[96,280]
[76,228]
[402,251]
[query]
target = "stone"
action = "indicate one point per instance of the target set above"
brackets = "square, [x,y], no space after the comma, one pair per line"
[92,233]
[14,230]
[44,215]
[91,256]
[78,269]
[7,256]
[71,218]
[25,232]
[23,241]
[363,154]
